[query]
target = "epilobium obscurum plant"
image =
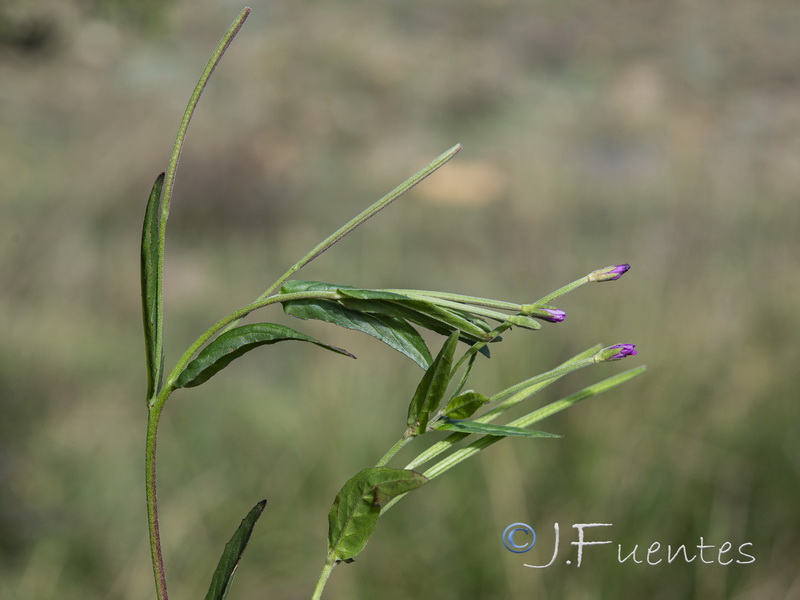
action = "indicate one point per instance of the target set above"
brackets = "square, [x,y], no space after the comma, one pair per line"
[442,402]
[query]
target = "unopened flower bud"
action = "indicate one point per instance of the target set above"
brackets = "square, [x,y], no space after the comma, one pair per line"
[552,315]
[616,352]
[611,273]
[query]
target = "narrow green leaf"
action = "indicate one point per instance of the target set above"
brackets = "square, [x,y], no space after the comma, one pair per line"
[298,285]
[484,442]
[464,405]
[355,511]
[398,310]
[432,387]
[470,325]
[425,314]
[406,310]
[489,429]
[149,274]
[232,344]
[229,561]
[394,332]
[360,294]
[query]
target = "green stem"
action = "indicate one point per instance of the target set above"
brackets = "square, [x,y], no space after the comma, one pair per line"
[323,578]
[156,404]
[155,407]
[473,300]
[473,309]
[532,388]
[511,397]
[484,442]
[169,180]
[393,450]
[157,556]
[476,347]
[531,418]
[558,293]
[362,217]
[517,393]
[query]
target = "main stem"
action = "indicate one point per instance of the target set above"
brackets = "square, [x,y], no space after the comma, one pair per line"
[156,404]
[153,415]
[323,578]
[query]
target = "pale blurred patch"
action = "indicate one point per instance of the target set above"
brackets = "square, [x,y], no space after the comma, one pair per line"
[98,43]
[465,183]
[637,94]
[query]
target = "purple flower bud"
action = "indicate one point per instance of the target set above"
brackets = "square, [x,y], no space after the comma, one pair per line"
[552,315]
[623,350]
[555,315]
[611,273]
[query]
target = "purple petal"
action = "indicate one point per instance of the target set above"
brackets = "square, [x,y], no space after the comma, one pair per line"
[624,350]
[556,316]
[619,271]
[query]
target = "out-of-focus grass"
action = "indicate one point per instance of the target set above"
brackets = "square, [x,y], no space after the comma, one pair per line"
[660,134]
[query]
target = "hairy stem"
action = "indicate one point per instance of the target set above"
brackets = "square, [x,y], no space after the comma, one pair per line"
[172,168]
[323,578]
[460,298]
[393,450]
[484,442]
[152,504]
[156,404]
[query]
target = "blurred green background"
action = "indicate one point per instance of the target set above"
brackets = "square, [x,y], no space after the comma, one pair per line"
[663,134]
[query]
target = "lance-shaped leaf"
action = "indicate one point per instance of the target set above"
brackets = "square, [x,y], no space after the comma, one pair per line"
[436,318]
[444,320]
[391,304]
[489,429]
[232,344]
[359,294]
[388,301]
[394,332]
[355,511]
[431,388]
[149,274]
[229,561]
[410,310]
[298,285]
[464,405]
